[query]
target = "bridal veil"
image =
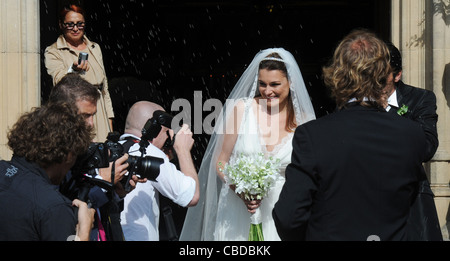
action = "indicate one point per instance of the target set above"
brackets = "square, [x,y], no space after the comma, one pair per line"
[200,220]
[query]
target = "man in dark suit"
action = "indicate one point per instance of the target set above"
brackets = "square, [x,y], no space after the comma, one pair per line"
[354,174]
[418,105]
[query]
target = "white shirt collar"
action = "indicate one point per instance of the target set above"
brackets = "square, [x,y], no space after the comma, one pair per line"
[126,135]
[392,101]
[354,100]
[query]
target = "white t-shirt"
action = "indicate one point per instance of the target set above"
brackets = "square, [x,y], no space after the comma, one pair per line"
[140,217]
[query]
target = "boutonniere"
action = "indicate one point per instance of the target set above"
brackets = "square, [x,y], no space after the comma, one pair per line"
[403,110]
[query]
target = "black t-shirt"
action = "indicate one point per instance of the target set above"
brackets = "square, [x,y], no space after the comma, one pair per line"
[31,208]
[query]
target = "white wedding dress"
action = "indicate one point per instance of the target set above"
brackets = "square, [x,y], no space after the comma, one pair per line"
[220,214]
[233,219]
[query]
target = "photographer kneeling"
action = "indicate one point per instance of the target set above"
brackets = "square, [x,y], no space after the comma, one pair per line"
[140,217]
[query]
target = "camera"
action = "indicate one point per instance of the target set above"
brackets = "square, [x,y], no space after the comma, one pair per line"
[99,155]
[154,125]
[141,166]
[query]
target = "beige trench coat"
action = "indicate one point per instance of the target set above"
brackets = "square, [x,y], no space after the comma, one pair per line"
[59,57]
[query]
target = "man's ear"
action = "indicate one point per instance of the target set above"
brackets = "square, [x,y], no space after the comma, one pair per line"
[398,77]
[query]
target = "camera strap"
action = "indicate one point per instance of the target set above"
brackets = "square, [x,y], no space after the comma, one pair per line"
[129,142]
[170,224]
[113,174]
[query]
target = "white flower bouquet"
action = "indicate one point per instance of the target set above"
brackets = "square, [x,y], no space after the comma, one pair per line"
[253,176]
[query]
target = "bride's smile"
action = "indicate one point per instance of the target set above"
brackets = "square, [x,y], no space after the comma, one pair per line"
[274,87]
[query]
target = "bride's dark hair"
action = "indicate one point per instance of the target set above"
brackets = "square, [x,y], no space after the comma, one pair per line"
[276,64]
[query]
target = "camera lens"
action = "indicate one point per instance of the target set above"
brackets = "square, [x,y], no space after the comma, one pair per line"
[146,167]
[162,120]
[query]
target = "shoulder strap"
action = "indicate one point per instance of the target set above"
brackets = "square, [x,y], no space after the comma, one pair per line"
[129,142]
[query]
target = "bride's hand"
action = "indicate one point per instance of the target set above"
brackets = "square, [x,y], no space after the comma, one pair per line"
[251,205]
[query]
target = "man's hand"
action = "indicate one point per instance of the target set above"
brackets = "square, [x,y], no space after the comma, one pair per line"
[120,169]
[85,220]
[120,190]
[183,139]
[183,145]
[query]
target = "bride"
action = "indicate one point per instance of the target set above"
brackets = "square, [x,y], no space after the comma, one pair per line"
[260,116]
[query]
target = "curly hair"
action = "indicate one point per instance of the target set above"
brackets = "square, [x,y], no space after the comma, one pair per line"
[359,69]
[47,134]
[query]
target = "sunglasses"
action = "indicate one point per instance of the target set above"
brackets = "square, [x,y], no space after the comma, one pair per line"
[71,25]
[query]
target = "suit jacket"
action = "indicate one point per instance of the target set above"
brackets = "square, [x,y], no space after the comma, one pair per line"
[353,175]
[422,109]
[423,224]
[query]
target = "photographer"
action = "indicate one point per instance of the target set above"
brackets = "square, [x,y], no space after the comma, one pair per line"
[45,143]
[75,90]
[140,217]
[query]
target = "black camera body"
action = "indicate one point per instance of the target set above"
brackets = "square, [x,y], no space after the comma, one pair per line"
[95,157]
[154,125]
[141,166]
[99,155]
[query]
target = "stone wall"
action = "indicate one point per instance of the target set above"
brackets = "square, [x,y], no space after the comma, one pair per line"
[420,28]
[19,63]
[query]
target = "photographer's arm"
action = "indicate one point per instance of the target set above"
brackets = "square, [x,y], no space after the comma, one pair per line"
[183,145]
[120,190]
[120,169]
[85,220]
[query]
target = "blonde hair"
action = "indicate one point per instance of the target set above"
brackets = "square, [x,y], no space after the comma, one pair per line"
[359,70]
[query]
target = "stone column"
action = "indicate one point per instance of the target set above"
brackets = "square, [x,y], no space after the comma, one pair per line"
[19,63]
[440,167]
[420,28]
[409,35]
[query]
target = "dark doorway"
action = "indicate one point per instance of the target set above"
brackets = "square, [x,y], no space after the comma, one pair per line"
[165,50]
[162,50]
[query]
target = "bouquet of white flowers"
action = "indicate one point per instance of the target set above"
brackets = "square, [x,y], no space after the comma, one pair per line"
[253,175]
